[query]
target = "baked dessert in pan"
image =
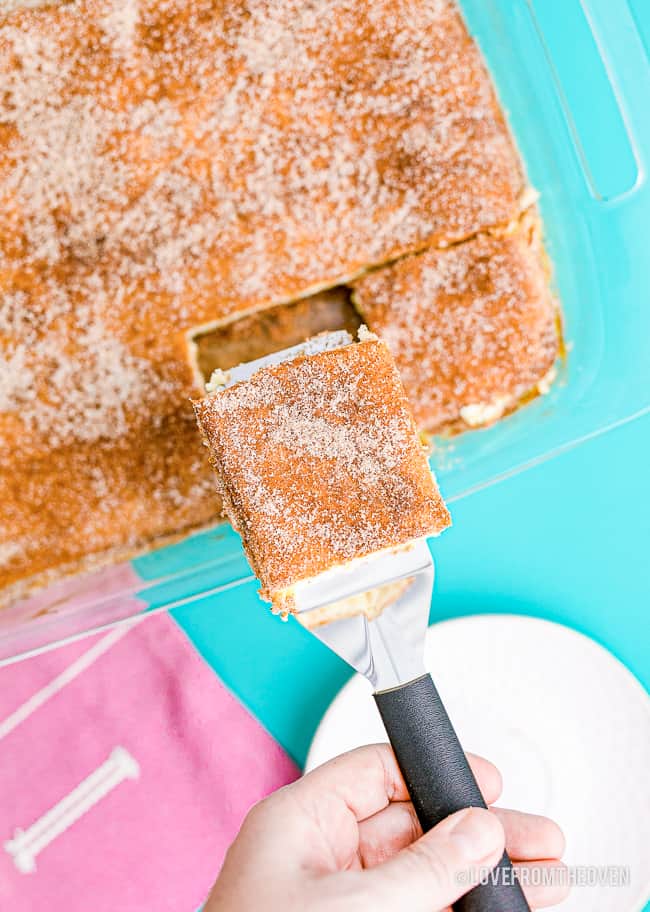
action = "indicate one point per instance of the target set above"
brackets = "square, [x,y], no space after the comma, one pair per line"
[169,170]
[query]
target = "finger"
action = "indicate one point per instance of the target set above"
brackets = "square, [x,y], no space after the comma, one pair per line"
[396,826]
[367,779]
[530,837]
[436,869]
[315,818]
[327,803]
[487,776]
[388,832]
[545,883]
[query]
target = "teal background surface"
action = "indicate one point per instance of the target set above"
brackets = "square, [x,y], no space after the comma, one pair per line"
[568,540]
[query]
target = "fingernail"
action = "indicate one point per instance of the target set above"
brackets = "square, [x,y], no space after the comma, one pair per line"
[477,833]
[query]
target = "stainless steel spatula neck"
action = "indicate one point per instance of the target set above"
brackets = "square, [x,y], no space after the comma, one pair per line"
[389,648]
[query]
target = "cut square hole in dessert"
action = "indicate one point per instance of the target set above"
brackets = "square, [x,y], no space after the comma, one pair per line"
[273,329]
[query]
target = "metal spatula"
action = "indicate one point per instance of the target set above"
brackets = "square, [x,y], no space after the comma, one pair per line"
[388,650]
[383,639]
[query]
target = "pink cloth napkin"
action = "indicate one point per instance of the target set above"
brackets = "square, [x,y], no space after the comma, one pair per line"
[126,769]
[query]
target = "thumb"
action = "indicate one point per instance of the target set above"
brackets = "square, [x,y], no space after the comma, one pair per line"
[440,866]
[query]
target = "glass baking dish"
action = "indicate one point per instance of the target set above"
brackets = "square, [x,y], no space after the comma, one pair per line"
[574,78]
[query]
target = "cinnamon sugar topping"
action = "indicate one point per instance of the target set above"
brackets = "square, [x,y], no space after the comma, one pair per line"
[171,164]
[319,462]
[472,328]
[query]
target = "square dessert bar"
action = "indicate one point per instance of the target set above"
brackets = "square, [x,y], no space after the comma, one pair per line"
[473,327]
[319,463]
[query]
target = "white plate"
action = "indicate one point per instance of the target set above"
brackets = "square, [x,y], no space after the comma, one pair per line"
[566,723]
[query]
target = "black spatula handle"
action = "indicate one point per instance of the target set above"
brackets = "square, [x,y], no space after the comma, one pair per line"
[439,779]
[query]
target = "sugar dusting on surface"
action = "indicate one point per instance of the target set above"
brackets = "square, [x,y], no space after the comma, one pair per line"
[320,462]
[297,142]
[472,328]
[9,551]
[91,377]
[162,167]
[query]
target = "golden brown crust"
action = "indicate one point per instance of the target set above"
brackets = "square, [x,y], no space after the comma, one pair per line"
[90,498]
[319,463]
[469,326]
[147,189]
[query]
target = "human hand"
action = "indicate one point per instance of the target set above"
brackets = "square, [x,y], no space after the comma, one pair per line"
[345,837]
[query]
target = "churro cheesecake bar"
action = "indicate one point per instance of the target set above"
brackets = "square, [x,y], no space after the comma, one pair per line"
[319,463]
[473,327]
